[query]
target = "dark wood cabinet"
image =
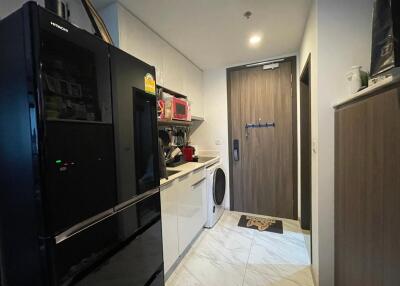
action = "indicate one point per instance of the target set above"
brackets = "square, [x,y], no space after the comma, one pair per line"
[367,190]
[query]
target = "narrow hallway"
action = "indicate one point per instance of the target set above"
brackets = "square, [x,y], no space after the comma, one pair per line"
[232,255]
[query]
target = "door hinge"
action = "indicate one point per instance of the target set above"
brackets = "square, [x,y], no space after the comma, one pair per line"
[291,78]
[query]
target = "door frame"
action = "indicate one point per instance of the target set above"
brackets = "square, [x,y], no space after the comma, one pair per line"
[305,77]
[306,73]
[293,60]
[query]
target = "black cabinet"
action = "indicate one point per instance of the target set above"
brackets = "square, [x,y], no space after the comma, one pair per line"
[122,249]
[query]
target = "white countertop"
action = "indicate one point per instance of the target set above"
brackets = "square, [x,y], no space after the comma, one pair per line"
[186,169]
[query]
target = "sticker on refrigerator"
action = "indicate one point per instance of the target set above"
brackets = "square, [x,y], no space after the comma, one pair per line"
[149,84]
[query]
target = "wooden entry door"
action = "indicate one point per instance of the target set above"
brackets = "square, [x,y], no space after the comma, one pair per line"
[262,159]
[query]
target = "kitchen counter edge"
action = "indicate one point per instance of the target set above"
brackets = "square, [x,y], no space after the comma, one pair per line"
[187,168]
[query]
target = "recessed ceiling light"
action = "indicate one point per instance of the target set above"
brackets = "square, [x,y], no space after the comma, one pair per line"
[254,40]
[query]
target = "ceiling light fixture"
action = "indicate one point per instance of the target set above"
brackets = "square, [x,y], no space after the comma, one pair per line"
[255,39]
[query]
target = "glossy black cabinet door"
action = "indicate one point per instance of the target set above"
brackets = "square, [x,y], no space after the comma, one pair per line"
[80,173]
[131,128]
[75,73]
[124,249]
[135,264]
[158,280]
[76,112]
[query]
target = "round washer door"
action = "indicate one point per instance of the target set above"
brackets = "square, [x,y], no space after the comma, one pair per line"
[219,186]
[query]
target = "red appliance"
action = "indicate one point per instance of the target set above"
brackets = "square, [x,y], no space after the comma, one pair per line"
[180,109]
[188,152]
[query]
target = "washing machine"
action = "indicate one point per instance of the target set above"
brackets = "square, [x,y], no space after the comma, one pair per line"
[215,193]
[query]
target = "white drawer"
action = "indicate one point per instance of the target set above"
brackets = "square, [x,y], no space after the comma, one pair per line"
[196,176]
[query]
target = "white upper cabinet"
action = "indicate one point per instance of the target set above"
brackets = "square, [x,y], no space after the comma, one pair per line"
[173,70]
[193,88]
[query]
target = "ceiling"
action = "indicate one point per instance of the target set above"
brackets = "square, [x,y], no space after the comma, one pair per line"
[214,33]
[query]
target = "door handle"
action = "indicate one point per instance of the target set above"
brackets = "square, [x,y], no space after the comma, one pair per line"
[198,183]
[236,153]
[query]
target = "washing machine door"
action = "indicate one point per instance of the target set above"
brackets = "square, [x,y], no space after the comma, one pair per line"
[219,186]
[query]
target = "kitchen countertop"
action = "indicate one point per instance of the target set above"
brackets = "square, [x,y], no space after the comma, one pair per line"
[187,168]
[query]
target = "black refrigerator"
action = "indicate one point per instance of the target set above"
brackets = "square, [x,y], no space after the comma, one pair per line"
[79,175]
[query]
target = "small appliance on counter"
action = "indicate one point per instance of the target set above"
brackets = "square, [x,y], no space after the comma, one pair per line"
[188,153]
[172,142]
[174,157]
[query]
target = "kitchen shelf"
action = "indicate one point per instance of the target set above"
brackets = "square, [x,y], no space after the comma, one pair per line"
[197,118]
[166,122]
[171,92]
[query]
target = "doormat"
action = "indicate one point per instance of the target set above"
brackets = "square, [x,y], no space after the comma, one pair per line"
[261,224]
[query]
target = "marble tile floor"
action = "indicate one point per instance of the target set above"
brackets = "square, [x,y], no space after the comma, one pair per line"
[235,256]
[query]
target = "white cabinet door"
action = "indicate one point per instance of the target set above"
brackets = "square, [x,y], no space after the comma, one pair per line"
[193,88]
[182,214]
[173,69]
[190,210]
[197,94]
[198,190]
[169,219]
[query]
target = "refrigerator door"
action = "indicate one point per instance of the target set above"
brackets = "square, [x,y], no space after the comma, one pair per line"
[75,73]
[135,121]
[77,130]
[146,141]
[124,249]
[80,180]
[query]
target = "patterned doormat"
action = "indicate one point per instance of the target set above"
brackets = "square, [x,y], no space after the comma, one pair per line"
[261,224]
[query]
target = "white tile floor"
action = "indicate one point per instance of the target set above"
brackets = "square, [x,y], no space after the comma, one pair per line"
[231,255]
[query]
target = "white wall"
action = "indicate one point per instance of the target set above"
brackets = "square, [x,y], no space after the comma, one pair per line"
[338,35]
[212,134]
[109,15]
[174,70]
[344,40]
[9,6]
[309,46]
[78,14]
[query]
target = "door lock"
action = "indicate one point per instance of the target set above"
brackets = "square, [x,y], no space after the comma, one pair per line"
[236,154]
